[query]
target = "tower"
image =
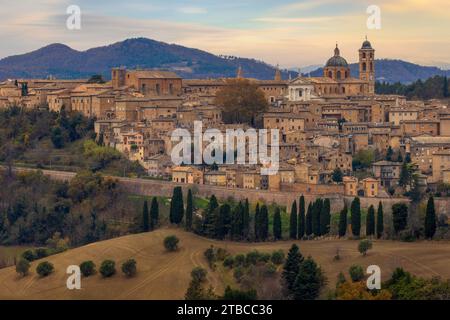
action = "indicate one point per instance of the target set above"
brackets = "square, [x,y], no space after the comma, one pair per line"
[118,77]
[367,66]
[277,74]
[240,73]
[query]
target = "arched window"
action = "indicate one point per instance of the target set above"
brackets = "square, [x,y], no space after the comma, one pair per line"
[343,89]
[364,67]
[364,55]
[371,66]
[330,74]
[338,75]
[346,74]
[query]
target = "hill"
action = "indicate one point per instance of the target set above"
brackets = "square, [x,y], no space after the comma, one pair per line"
[395,71]
[62,61]
[163,275]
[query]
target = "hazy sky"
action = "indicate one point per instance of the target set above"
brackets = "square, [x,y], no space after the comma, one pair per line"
[291,33]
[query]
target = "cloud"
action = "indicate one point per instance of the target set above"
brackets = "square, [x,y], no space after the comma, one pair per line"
[192,10]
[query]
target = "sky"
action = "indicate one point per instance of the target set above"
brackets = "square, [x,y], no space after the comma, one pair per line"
[285,32]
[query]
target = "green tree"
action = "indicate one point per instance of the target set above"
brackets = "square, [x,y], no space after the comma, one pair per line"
[445,90]
[129,268]
[189,210]
[291,267]
[343,221]
[399,216]
[257,223]
[87,268]
[237,221]
[277,224]
[380,221]
[301,218]
[309,281]
[107,268]
[364,246]
[316,210]
[308,220]
[430,219]
[356,273]
[337,175]
[145,218]
[389,154]
[223,221]
[246,220]
[45,268]
[171,243]
[325,217]
[176,206]
[154,213]
[370,221]
[355,217]
[293,221]
[22,267]
[264,233]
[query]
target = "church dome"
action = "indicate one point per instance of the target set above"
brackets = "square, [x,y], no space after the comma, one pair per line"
[366,45]
[336,60]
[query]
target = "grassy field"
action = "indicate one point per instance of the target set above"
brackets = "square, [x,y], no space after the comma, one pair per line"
[9,253]
[164,275]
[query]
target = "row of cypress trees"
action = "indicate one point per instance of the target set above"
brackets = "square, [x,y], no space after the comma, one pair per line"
[315,221]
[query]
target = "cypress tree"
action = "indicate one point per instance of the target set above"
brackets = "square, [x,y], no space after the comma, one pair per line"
[211,216]
[176,206]
[430,219]
[293,221]
[325,217]
[154,213]
[189,210]
[277,224]
[380,220]
[355,217]
[308,220]
[370,221]
[316,209]
[257,223]
[445,90]
[291,267]
[343,221]
[264,232]
[246,220]
[222,221]
[309,281]
[301,218]
[145,218]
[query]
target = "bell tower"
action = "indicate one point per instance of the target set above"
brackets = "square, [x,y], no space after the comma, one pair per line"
[367,67]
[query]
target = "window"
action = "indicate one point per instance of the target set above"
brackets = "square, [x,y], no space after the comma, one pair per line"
[364,66]
[157,89]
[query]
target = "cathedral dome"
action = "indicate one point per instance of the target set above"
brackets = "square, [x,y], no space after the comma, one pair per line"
[336,60]
[366,45]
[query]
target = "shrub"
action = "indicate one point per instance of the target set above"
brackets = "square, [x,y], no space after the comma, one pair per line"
[277,257]
[198,274]
[270,269]
[252,257]
[171,243]
[41,253]
[364,246]
[108,268]
[87,268]
[44,268]
[232,294]
[210,256]
[238,273]
[264,257]
[222,254]
[239,260]
[228,262]
[129,267]
[356,273]
[22,267]
[28,255]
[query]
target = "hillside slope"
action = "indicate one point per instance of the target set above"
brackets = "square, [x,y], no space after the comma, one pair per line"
[163,275]
[63,62]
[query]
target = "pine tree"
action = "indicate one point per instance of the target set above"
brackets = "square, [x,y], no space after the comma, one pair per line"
[343,221]
[145,218]
[154,213]
[380,221]
[370,221]
[277,224]
[430,219]
[176,206]
[291,267]
[355,215]
[325,217]
[257,223]
[308,220]
[309,281]
[189,210]
[293,221]
[246,220]
[264,233]
[301,218]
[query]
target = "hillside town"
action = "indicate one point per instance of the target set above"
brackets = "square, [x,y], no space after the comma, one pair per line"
[337,136]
